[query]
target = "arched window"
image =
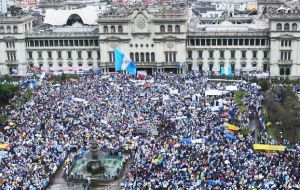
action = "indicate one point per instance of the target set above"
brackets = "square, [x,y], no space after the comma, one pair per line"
[147,57]
[162,29]
[170,28]
[8,29]
[131,56]
[294,27]
[281,71]
[279,26]
[177,28]
[25,27]
[142,57]
[2,29]
[15,29]
[286,27]
[105,29]
[152,57]
[137,57]
[120,29]
[113,29]
[287,71]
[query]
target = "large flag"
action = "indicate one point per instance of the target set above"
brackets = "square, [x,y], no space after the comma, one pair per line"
[226,71]
[123,62]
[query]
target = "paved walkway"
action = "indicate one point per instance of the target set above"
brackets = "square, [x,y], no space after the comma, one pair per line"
[59,183]
[254,124]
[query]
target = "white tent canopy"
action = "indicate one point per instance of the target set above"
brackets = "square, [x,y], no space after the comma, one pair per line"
[231,88]
[211,92]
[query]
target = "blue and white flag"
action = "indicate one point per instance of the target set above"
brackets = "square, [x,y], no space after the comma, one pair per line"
[226,71]
[123,62]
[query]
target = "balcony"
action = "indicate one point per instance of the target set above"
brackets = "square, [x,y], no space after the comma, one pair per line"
[11,62]
[285,62]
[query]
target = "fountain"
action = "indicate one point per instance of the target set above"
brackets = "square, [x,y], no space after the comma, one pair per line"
[96,165]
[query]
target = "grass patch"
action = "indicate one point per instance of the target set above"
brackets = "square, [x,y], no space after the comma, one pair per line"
[239,98]
[272,132]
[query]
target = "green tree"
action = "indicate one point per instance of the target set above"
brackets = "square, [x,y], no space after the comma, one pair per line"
[283,108]
[15,10]
[5,78]
[264,84]
[7,91]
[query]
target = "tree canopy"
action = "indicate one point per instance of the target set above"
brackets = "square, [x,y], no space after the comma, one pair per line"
[7,91]
[283,109]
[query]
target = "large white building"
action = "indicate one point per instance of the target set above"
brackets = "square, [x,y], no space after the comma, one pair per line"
[163,39]
[13,30]
[156,41]
[243,47]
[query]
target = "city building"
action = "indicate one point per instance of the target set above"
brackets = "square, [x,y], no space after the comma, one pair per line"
[3,6]
[269,5]
[156,41]
[158,38]
[30,2]
[69,41]
[243,47]
[13,30]
[285,42]
[52,4]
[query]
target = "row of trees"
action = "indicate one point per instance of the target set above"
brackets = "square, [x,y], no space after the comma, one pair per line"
[63,78]
[283,110]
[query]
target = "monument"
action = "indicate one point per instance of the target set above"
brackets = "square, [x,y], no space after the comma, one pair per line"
[96,166]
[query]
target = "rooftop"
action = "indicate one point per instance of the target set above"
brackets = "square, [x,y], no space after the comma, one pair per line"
[15,19]
[65,32]
[228,26]
[115,12]
[52,3]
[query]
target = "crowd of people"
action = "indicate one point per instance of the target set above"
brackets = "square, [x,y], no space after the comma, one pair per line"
[189,150]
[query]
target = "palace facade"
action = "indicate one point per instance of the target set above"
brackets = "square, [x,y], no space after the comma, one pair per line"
[158,40]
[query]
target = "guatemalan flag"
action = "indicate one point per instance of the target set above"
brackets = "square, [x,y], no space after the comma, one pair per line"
[226,71]
[123,62]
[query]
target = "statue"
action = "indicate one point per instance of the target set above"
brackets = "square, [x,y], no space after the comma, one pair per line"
[94,150]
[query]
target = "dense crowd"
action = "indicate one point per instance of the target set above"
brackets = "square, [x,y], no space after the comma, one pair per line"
[110,109]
